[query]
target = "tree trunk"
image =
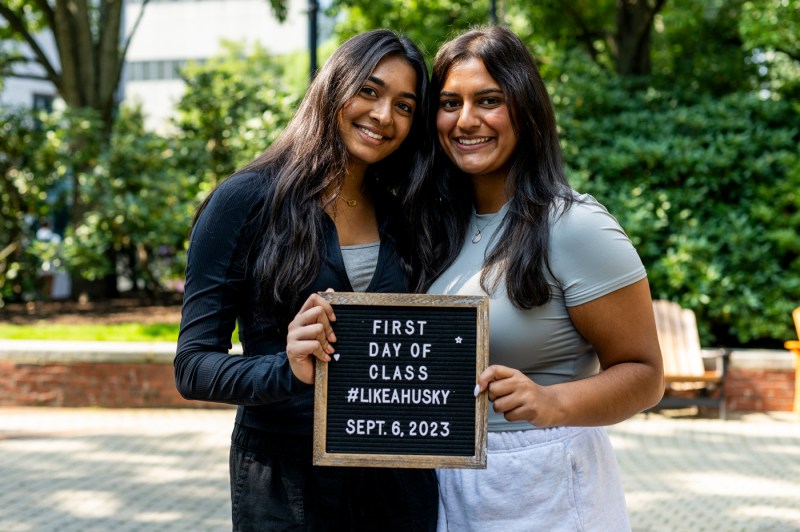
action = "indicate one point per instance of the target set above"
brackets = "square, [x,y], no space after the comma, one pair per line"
[634,29]
[90,60]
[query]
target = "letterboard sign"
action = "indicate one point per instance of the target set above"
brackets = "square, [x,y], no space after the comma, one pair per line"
[399,389]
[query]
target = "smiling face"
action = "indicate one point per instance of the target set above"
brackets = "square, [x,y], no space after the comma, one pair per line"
[474,123]
[375,122]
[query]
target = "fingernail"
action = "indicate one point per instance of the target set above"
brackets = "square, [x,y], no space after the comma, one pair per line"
[477,390]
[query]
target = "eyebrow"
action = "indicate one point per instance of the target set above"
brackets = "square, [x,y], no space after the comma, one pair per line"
[479,93]
[381,83]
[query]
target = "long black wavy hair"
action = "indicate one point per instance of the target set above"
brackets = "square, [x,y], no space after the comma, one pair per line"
[536,183]
[310,158]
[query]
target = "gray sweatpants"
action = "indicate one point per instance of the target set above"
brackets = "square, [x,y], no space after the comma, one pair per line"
[559,479]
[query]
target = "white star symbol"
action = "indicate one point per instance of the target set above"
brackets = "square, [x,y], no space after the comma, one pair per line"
[458,339]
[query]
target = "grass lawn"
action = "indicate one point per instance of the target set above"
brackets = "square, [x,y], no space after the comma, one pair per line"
[123,332]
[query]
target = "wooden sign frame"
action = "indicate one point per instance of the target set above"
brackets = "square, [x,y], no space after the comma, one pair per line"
[477,457]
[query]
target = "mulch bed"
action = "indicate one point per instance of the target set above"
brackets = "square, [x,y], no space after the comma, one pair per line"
[138,309]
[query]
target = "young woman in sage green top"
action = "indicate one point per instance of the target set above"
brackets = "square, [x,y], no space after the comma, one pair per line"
[573,343]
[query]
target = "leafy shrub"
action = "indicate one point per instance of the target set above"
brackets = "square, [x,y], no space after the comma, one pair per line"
[33,187]
[234,107]
[141,193]
[708,190]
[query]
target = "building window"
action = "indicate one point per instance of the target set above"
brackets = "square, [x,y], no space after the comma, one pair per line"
[43,102]
[156,70]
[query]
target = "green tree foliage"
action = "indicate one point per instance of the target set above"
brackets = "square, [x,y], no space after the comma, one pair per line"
[143,195]
[427,23]
[91,49]
[25,160]
[145,190]
[142,191]
[769,29]
[772,24]
[617,35]
[698,47]
[234,107]
[39,155]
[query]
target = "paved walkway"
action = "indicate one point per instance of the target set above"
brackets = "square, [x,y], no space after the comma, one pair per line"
[166,470]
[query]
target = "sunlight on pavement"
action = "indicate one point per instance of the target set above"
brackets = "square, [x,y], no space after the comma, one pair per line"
[82,503]
[130,470]
[733,485]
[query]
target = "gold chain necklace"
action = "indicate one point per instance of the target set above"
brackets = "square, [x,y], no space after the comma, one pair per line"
[350,202]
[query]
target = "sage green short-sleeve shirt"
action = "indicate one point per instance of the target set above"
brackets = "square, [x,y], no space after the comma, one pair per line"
[590,256]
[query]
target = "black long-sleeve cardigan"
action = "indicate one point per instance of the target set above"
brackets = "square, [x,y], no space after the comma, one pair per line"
[221,288]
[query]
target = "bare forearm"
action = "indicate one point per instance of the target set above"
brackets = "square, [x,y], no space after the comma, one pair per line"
[609,397]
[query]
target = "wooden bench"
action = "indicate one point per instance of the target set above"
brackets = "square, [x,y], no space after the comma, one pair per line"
[693,376]
[794,347]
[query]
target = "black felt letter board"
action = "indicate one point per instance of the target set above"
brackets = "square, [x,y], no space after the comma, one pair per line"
[399,391]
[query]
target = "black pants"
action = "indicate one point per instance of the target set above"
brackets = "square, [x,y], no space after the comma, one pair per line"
[274,487]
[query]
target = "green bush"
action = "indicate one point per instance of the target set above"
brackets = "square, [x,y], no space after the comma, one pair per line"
[234,107]
[142,193]
[138,193]
[32,187]
[708,190]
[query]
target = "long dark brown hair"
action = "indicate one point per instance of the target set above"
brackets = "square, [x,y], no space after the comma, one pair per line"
[310,158]
[536,181]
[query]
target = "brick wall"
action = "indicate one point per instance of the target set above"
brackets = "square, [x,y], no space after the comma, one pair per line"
[760,381]
[107,375]
[759,390]
[102,374]
[101,384]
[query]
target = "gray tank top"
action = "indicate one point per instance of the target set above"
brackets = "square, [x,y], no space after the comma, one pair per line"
[360,262]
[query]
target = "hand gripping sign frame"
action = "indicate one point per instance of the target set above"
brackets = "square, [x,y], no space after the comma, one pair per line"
[399,390]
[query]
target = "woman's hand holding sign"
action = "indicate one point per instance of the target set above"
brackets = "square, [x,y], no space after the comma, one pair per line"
[517,397]
[310,336]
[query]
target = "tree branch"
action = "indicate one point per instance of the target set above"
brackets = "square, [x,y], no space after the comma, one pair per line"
[11,59]
[7,251]
[108,45]
[12,74]
[18,25]
[65,42]
[48,12]
[648,24]
[86,60]
[644,32]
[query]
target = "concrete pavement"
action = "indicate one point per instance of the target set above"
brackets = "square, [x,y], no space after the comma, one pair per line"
[64,469]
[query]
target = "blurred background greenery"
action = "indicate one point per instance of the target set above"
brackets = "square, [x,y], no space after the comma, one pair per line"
[681,116]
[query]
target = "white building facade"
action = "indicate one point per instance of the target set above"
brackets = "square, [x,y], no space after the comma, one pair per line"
[171,33]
